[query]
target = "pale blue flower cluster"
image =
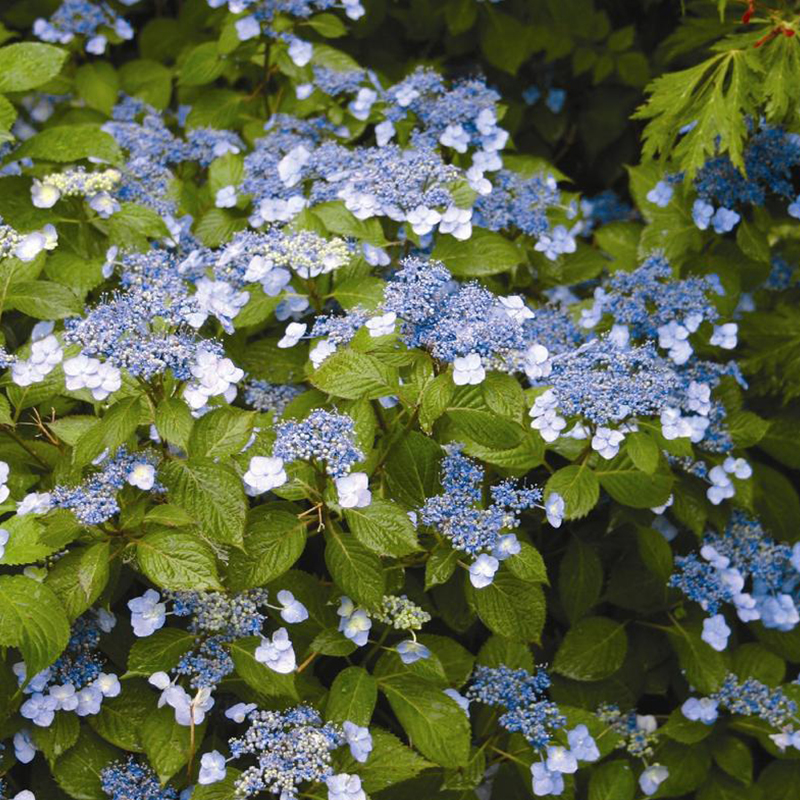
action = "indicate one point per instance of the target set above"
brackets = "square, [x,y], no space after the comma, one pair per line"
[610,380]
[519,202]
[650,298]
[147,327]
[478,531]
[638,736]
[747,569]
[153,148]
[322,437]
[130,780]
[76,681]
[152,140]
[523,697]
[26,246]
[264,11]
[463,324]
[289,748]
[603,209]
[94,501]
[749,698]
[770,157]
[264,396]
[216,619]
[97,21]
[270,259]
[527,710]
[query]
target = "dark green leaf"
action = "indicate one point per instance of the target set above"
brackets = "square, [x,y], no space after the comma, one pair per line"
[272,544]
[33,620]
[593,649]
[212,493]
[435,724]
[355,569]
[177,561]
[510,607]
[383,527]
[352,697]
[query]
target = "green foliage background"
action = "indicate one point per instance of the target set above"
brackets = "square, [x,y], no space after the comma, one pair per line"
[591,599]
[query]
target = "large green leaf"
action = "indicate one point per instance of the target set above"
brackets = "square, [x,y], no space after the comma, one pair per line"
[28,65]
[168,745]
[593,649]
[352,696]
[355,569]
[43,300]
[484,253]
[32,620]
[222,432]
[272,544]
[510,607]
[159,652]
[435,724]
[383,527]
[77,772]
[177,561]
[212,493]
[579,487]
[580,579]
[65,143]
[352,375]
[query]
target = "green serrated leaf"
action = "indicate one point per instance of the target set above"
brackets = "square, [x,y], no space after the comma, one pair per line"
[613,780]
[33,620]
[383,527]
[167,744]
[433,721]
[77,772]
[65,143]
[352,697]
[43,300]
[528,564]
[355,569]
[212,493]
[27,65]
[593,649]
[159,652]
[222,432]
[580,579]
[510,607]
[579,487]
[79,577]
[272,544]
[121,718]
[177,561]
[484,253]
[354,375]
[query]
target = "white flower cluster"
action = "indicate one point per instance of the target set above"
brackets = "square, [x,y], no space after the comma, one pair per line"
[46,355]
[95,186]
[83,372]
[26,246]
[213,376]
[218,299]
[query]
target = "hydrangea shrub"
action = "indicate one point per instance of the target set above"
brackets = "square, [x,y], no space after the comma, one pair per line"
[399,399]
